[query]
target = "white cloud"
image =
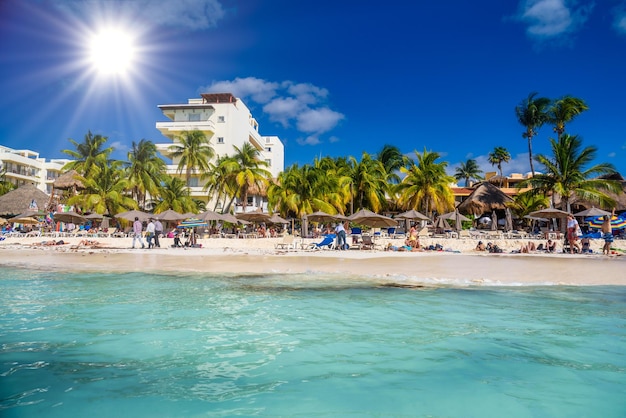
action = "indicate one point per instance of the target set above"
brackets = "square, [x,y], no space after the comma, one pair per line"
[299,105]
[612,154]
[551,18]
[518,164]
[187,14]
[310,140]
[260,91]
[620,19]
[318,120]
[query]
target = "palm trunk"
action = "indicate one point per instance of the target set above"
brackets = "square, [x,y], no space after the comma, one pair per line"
[530,154]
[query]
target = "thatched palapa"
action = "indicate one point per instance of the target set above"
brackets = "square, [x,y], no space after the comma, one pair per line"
[20,199]
[485,198]
[68,181]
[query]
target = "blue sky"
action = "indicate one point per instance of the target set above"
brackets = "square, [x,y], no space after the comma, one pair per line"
[331,78]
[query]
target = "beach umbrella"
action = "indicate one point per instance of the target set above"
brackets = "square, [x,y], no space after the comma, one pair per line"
[256,216]
[508,224]
[321,216]
[170,215]
[210,215]
[374,220]
[94,216]
[412,215]
[441,224]
[549,213]
[593,212]
[19,219]
[69,217]
[132,214]
[616,223]
[232,219]
[452,216]
[276,219]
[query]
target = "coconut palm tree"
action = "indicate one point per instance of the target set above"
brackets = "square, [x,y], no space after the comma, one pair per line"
[532,113]
[300,191]
[524,203]
[392,159]
[105,190]
[566,174]
[88,154]
[468,170]
[175,195]
[220,183]
[247,170]
[145,170]
[564,110]
[498,156]
[369,182]
[426,186]
[194,152]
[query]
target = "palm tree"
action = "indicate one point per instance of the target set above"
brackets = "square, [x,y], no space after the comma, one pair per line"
[532,114]
[175,195]
[498,156]
[567,176]
[193,152]
[5,185]
[248,170]
[220,183]
[426,186]
[369,181]
[105,190]
[302,190]
[525,203]
[564,110]
[88,154]
[145,170]
[392,159]
[468,170]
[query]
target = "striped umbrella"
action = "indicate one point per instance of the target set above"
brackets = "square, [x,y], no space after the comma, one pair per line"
[192,223]
[616,222]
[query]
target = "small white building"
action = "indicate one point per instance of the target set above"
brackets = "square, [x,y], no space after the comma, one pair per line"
[226,121]
[27,167]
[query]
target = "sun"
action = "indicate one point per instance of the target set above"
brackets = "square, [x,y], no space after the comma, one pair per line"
[112,51]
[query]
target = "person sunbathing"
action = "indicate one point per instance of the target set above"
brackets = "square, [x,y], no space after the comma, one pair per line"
[480,246]
[89,243]
[551,246]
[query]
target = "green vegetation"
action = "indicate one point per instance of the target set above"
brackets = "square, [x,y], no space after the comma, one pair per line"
[385,181]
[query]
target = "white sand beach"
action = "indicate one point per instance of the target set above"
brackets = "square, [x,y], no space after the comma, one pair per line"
[458,264]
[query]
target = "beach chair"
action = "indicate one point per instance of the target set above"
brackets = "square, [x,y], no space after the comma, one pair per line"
[367,243]
[328,243]
[287,243]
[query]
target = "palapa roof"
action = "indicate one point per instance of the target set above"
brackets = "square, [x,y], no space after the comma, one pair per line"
[19,200]
[485,198]
[68,180]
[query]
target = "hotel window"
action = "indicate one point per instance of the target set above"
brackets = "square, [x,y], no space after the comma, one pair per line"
[220,139]
[193,182]
[194,117]
[221,119]
[268,149]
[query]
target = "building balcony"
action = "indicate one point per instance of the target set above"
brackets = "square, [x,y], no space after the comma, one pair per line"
[171,129]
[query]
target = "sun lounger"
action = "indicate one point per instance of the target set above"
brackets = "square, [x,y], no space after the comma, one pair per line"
[328,243]
[287,243]
[367,243]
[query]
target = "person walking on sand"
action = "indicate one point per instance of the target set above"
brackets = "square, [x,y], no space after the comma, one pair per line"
[137,229]
[607,233]
[150,233]
[158,231]
[572,233]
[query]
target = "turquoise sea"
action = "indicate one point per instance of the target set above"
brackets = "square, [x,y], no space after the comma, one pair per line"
[147,345]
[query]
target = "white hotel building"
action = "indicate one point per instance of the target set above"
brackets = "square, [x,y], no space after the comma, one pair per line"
[27,167]
[226,121]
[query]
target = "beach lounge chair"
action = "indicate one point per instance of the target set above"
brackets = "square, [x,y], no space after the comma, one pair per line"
[287,243]
[328,243]
[367,243]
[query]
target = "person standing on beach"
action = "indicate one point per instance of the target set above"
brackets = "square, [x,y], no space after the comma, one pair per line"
[158,230]
[341,236]
[572,233]
[607,233]
[150,233]
[137,229]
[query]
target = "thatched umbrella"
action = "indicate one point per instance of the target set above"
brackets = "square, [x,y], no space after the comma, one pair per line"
[485,198]
[132,214]
[22,198]
[68,181]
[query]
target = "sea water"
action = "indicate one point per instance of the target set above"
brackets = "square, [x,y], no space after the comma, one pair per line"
[148,345]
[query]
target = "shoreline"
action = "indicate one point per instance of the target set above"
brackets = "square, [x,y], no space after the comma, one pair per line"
[457,267]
